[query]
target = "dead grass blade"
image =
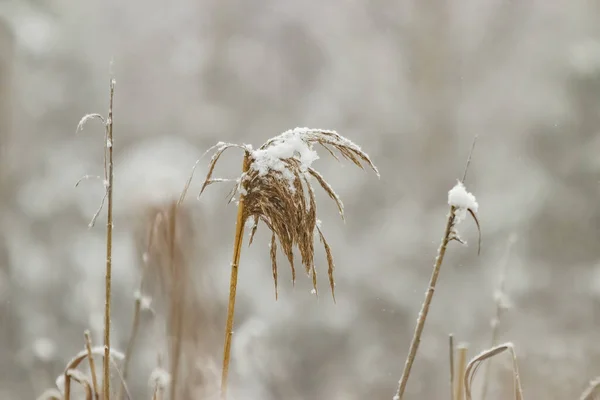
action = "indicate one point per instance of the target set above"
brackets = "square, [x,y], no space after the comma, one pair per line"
[90,357]
[477,361]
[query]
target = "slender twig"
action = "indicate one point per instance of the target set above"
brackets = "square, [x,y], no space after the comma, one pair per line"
[107,197]
[451,353]
[469,159]
[88,347]
[109,230]
[416,340]
[237,249]
[449,234]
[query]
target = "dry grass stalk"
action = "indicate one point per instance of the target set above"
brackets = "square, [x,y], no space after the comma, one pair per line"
[237,250]
[451,353]
[592,392]
[90,357]
[108,196]
[80,378]
[416,340]
[501,301]
[476,362]
[83,355]
[456,214]
[169,240]
[459,388]
[275,188]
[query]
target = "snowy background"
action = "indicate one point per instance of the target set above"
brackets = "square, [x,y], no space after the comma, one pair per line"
[411,81]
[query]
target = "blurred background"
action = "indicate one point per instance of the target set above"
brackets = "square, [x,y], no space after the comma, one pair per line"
[411,81]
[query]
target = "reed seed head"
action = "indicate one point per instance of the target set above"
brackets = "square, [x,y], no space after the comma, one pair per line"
[276,188]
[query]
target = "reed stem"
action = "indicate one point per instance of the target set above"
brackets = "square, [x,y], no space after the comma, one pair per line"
[109,231]
[237,250]
[416,340]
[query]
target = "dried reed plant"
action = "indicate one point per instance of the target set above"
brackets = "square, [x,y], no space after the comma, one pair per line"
[89,383]
[592,392]
[476,362]
[108,197]
[275,188]
[461,202]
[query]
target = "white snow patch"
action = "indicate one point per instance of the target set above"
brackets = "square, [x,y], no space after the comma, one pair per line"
[462,200]
[290,144]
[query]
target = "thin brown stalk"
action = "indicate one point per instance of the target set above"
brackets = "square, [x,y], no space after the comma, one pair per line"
[88,347]
[592,392]
[237,249]
[451,353]
[459,389]
[416,340]
[109,229]
[80,378]
[450,233]
[476,362]
[108,198]
[81,356]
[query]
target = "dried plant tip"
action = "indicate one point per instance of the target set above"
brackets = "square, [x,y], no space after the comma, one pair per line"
[277,190]
[476,362]
[87,118]
[478,230]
